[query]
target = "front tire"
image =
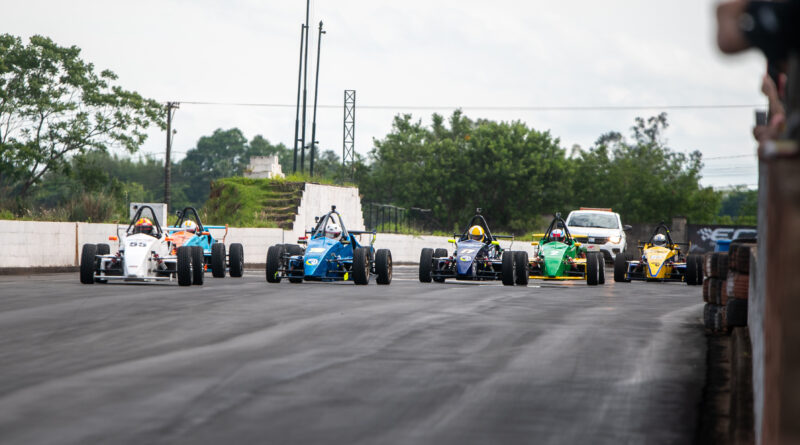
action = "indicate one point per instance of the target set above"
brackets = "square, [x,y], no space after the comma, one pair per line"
[383,266]
[523,274]
[592,270]
[184,266]
[508,269]
[425,265]
[218,260]
[236,260]
[438,254]
[361,266]
[198,266]
[88,263]
[274,259]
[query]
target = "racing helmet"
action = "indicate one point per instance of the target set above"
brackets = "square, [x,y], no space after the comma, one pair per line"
[476,233]
[333,231]
[143,225]
[557,235]
[660,240]
[189,226]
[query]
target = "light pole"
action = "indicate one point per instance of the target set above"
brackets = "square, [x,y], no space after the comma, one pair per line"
[316,90]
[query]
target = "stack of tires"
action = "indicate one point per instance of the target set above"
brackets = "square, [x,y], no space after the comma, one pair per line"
[726,288]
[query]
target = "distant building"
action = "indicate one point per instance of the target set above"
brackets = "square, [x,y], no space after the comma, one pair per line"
[264,167]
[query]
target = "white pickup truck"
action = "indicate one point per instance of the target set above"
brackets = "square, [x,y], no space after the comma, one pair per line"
[602,227]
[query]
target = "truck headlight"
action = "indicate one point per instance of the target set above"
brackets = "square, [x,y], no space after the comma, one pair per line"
[615,239]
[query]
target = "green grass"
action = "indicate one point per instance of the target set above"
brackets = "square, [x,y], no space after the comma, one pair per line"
[249,202]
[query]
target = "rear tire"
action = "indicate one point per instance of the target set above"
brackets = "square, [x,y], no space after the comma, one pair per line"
[198,266]
[521,258]
[383,266]
[236,260]
[425,265]
[293,249]
[601,261]
[692,270]
[274,259]
[218,260]
[184,266]
[361,266]
[592,270]
[621,268]
[88,263]
[508,268]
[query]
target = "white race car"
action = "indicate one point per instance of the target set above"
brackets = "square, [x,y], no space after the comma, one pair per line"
[145,253]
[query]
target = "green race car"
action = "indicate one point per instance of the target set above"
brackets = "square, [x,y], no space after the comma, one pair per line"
[560,256]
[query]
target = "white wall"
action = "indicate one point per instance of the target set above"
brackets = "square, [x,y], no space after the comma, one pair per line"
[318,199]
[54,244]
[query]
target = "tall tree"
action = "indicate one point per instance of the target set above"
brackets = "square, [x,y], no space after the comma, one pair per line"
[54,105]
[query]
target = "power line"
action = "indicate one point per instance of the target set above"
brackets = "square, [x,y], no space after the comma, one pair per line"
[751,155]
[494,108]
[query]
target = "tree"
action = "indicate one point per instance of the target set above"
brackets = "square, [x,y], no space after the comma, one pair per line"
[643,179]
[54,105]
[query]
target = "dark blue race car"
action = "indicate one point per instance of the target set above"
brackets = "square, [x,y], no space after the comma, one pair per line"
[190,231]
[332,253]
[475,259]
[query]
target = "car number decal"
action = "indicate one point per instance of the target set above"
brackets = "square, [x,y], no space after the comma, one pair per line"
[466,251]
[316,249]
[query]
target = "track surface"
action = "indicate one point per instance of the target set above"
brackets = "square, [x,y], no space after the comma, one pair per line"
[243,361]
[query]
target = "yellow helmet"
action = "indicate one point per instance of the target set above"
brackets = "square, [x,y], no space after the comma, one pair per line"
[476,233]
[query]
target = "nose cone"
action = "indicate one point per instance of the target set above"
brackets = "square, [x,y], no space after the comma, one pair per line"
[554,259]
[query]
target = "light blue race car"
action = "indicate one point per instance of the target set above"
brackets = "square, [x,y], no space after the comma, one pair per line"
[190,231]
[332,253]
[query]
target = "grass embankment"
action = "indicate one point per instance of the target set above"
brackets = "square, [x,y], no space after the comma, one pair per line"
[248,202]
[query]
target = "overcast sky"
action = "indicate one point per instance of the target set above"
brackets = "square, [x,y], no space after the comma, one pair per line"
[477,55]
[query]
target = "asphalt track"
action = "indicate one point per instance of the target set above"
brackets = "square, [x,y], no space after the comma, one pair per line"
[242,361]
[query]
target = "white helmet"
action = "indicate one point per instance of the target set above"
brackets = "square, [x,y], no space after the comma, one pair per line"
[333,231]
[189,226]
[660,240]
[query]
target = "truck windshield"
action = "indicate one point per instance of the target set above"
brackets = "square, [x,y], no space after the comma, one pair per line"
[593,220]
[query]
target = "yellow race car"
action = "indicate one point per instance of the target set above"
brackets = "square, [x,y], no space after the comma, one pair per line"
[660,259]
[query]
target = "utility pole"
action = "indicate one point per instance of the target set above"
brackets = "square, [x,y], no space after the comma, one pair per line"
[297,112]
[171,107]
[349,133]
[316,90]
[305,82]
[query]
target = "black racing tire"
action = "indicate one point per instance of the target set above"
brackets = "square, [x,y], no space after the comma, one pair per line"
[274,259]
[601,261]
[737,312]
[88,263]
[521,260]
[383,266]
[723,265]
[184,266]
[236,260]
[198,266]
[361,265]
[715,264]
[293,249]
[425,265]
[218,260]
[691,270]
[103,249]
[621,268]
[592,270]
[508,269]
[440,253]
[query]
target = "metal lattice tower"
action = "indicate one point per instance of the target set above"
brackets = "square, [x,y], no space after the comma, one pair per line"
[348,150]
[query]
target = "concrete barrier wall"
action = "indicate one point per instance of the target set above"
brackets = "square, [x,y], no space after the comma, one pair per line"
[54,244]
[317,200]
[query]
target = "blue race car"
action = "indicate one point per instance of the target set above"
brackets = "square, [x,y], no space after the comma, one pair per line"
[478,256]
[190,231]
[332,253]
